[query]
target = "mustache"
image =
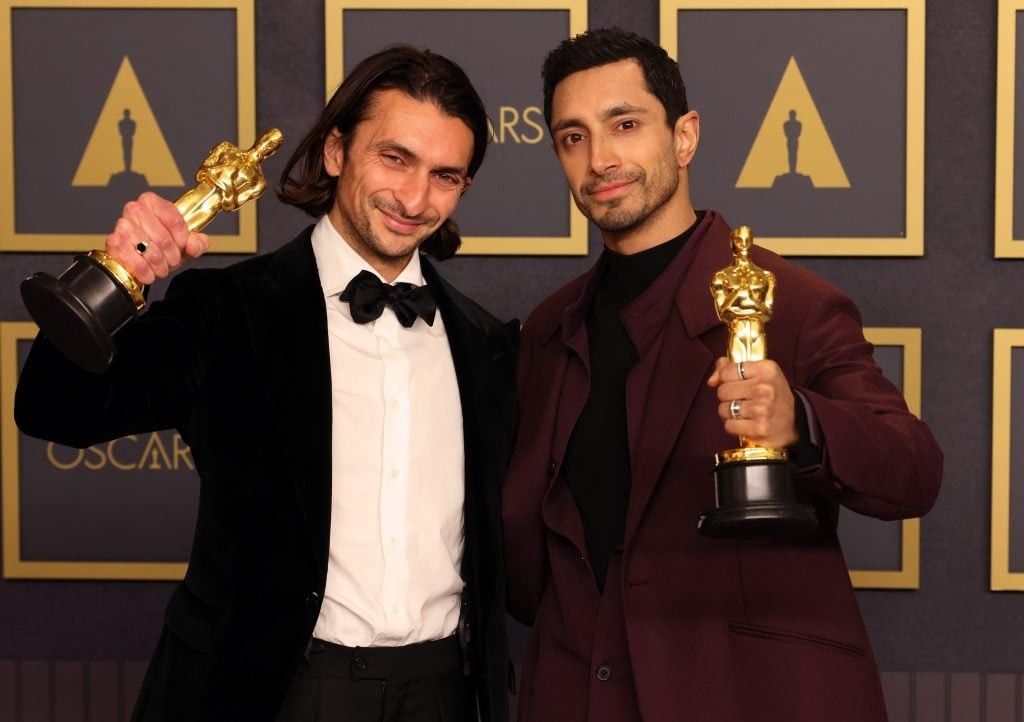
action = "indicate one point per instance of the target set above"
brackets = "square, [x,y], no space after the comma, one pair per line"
[395,208]
[612,178]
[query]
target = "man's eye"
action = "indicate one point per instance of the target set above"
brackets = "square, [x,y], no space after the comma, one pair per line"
[392,158]
[628,124]
[572,138]
[447,179]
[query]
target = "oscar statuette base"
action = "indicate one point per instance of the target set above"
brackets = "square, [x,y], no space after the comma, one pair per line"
[80,311]
[755,500]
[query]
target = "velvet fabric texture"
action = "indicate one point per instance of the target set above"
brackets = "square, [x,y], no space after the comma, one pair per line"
[688,627]
[237,361]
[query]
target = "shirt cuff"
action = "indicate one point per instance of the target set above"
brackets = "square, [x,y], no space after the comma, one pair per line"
[809,452]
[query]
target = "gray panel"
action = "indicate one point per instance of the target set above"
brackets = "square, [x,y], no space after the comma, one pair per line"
[896,687]
[1017,461]
[35,691]
[870,543]
[929,697]
[1001,695]
[519,190]
[854,63]
[8,691]
[69,692]
[965,697]
[64,63]
[103,691]
[131,675]
[142,513]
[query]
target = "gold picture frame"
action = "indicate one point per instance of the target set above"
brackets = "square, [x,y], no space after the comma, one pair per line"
[908,576]
[576,242]
[245,241]
[14,567]
[1006,246]
[912,242]
[1002,577]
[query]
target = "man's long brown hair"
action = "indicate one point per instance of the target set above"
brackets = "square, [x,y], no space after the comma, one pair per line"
[420,74]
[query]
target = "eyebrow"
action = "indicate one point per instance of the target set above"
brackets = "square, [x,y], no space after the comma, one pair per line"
[397,147]
[607,114]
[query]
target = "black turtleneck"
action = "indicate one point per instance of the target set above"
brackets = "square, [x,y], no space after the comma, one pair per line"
[597,462]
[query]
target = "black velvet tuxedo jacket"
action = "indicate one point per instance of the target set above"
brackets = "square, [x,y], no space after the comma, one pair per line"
[237,361]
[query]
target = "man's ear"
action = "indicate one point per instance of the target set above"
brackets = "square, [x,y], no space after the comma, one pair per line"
[334,153]
[686,135]
[469,182]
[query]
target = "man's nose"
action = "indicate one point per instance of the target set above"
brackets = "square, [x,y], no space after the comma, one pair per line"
[413,192]
[603,156]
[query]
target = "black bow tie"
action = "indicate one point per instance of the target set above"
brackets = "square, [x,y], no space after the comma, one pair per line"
[367,296]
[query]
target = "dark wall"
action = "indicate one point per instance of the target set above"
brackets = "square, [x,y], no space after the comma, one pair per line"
[957,293]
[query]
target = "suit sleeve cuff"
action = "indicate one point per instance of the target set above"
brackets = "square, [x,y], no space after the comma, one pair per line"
[808,456]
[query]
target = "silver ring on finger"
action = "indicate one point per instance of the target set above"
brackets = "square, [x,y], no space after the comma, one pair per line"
[741,371]
[734,409]
[142,246]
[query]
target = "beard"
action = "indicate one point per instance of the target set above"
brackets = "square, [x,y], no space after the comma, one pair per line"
[629,212]
[363,227]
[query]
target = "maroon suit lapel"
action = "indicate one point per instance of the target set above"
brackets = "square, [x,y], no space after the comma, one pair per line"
[559,510]
[659,394]
[674,364]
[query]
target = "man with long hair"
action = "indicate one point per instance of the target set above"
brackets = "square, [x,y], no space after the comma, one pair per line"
[622,407]
[349,415]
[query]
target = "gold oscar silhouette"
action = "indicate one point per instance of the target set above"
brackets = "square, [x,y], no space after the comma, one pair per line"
[81,310]
[754,493]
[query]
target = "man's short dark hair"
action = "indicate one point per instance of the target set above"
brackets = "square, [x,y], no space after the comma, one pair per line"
[601,46]
[420,74]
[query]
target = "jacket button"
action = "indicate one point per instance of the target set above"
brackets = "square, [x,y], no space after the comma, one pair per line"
[604,673]
[359,663]
[312,598]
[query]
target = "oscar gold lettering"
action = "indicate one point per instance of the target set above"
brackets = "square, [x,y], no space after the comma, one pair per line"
[51,455]
[508,117]
[182,453]
[114,461]
[532,116]
[99,459]
[156,453]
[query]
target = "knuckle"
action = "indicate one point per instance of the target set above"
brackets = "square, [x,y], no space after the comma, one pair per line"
[163,239]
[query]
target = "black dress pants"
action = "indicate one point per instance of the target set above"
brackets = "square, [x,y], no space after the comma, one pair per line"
[414,683]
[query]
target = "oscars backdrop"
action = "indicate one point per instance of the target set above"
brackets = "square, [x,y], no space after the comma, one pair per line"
[874,141]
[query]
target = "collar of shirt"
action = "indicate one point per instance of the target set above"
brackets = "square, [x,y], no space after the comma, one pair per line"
[337,263]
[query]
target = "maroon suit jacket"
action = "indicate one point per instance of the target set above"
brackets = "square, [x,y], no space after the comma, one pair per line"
[690,628]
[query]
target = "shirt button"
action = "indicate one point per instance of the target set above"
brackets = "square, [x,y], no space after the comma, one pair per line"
[394,609]
[604,672]
[396,404]
[395,541]
[394,473]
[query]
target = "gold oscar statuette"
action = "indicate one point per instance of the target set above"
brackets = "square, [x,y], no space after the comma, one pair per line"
[754,492]
[82,309]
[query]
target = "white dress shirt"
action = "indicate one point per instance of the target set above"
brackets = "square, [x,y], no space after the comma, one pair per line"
[397,468]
